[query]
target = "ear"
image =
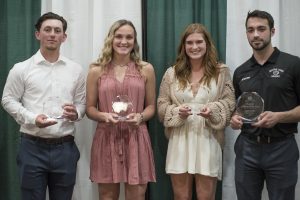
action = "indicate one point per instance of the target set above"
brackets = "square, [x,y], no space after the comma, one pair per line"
[272,31]
[37,35]
[65,37]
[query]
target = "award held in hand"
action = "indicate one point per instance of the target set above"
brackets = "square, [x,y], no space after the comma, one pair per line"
[249,106]
[122,106]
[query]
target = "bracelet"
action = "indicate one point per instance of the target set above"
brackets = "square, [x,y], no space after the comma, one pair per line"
[141,117]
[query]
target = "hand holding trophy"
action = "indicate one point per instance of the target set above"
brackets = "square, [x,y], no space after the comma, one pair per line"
[122,106]
[249,106]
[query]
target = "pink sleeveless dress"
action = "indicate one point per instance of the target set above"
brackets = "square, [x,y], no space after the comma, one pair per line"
[120,153]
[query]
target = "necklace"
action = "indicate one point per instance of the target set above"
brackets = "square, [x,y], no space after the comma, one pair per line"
[119,65]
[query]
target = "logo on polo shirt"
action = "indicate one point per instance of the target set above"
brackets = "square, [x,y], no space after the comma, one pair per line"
[275,72]
[245,78]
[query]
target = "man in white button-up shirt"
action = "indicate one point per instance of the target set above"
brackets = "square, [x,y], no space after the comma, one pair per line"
[46,94]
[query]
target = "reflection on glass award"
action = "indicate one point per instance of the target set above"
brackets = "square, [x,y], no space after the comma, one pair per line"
[250,105]
[122,106]
[52,107]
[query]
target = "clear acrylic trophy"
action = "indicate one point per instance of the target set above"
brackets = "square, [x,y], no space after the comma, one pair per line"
[250,105]
[122,106]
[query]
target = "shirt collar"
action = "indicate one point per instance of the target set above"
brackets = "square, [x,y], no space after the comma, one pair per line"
[271,59]
[39,59]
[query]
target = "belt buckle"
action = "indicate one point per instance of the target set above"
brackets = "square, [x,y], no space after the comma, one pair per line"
[258,139]
[54,141]
[263,139]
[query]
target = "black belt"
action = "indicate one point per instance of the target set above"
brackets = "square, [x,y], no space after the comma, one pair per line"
[60,140]
[264,139]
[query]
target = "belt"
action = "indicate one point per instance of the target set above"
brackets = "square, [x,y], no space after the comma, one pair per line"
[60,140]
[264,139]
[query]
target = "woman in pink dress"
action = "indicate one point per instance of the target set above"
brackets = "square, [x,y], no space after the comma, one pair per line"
[121,150]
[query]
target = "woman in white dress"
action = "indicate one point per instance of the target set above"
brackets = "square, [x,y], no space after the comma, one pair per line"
[195,104]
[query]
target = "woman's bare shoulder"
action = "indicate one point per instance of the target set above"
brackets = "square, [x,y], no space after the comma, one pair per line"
[147,67]
[95,71]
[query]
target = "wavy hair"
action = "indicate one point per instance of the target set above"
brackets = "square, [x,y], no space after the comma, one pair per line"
[210,61]
[107,52]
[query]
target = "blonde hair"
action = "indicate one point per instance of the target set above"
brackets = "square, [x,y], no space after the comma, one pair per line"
[107,51]
[210,61]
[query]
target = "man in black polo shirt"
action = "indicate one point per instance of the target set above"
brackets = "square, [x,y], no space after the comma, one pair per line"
[266,150]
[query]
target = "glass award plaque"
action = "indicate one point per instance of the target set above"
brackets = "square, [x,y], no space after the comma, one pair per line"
[122,106]
[249,106]
[52,108]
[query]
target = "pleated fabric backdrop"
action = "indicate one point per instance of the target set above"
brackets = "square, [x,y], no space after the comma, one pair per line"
[16,43]
[88,24]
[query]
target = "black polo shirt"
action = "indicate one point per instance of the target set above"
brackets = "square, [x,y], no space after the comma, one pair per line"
[277,82]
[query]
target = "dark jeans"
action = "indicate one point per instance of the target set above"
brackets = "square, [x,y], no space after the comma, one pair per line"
[41,165]
[275,163]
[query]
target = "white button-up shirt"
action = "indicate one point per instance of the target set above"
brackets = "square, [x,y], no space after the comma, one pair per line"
[31,83]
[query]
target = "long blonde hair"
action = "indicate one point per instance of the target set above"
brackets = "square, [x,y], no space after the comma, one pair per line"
[210,60]
[107,52]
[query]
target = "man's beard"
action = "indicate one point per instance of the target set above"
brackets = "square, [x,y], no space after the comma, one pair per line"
[262,46]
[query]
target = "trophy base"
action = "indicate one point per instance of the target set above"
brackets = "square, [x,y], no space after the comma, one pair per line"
[248,121]
[59,117]
[55,117]
[121,118]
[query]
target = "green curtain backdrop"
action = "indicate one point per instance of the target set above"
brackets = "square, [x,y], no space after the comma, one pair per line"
[165,21]
[17,18]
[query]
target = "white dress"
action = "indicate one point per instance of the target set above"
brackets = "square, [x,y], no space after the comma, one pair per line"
[192,148]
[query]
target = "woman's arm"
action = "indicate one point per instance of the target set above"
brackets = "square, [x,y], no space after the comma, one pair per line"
[223,107]
[92,97]
[149,111]
[168,111]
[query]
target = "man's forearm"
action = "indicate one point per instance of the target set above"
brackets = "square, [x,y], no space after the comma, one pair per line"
[290,116]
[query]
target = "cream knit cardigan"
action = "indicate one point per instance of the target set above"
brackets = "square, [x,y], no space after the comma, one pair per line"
[222,106]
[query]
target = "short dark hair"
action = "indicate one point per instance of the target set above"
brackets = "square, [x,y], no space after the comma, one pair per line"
[261,14]
[50,15]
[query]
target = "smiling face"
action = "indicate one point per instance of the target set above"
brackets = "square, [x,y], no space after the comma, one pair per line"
[195,46]
[259,33]
[51,35]
[123,41]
